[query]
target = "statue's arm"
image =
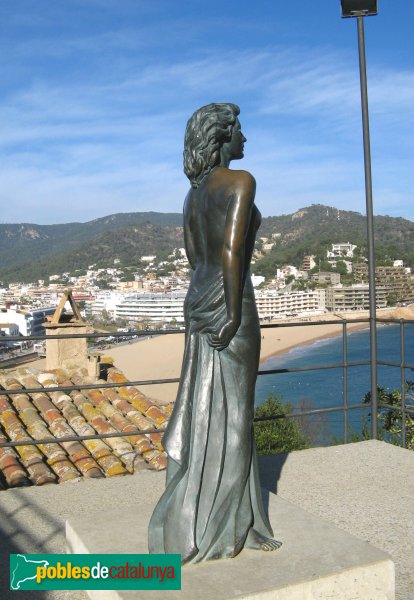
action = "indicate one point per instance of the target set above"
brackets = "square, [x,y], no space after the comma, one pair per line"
[237,227]
[188,238]
[189,245]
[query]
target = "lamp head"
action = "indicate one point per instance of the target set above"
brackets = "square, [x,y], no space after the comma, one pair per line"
[359,8]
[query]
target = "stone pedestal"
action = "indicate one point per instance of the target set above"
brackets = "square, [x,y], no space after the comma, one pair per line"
[317,561]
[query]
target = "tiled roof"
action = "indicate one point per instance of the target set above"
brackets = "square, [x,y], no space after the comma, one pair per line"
[83,412]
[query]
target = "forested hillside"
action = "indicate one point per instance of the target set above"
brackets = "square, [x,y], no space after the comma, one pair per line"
[30,252]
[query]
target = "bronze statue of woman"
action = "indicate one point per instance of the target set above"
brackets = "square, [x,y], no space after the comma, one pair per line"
[212,505]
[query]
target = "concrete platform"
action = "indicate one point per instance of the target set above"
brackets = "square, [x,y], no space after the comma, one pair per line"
[366,489]
[317,561]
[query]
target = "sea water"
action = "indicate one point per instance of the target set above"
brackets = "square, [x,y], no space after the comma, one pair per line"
[324,388]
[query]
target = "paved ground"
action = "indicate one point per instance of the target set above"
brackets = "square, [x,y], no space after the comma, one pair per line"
[366,489]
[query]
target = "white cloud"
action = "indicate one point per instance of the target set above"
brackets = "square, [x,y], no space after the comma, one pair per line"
[107,144]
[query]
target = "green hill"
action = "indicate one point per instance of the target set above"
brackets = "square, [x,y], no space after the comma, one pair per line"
[29,252]
[125,243]
[313,229]
[26,242]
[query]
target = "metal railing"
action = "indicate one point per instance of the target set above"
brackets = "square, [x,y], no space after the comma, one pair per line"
[404,410]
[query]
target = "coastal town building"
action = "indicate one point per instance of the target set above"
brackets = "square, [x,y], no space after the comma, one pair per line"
[396,280]
[326,277]
[148,259]
[29,322]
[154,290]
[273,305]
[169,307]
[7,329]
[342,298]
[341,250]
[42,296]
[105,300]
[287,271]
[157,307]
[308,262]
[257,280]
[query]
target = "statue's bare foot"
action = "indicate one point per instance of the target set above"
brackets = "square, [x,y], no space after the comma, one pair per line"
[257,541]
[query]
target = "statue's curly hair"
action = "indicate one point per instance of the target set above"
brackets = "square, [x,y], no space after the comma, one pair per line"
[207,130]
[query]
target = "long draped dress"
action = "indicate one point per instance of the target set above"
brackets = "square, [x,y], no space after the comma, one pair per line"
[213,496]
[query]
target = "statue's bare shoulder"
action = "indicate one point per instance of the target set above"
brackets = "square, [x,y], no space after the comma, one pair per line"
[235,181]
[243,179]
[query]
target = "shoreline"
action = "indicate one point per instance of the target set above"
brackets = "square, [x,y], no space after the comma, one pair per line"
[330,331]
[160,357]
[307,341]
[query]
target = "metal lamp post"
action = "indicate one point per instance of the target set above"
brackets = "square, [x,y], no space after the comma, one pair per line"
[361,9]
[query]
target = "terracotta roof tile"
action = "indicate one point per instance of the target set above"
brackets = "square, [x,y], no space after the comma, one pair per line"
[47,414]
[14,474]
[79,455]
[101,452]
[30,456]
[157,414]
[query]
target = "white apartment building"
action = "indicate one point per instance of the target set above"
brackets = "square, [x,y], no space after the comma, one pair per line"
[8,329]
[105,300]
[287,271]
[257,280]
[278,305]
[341,250]
[29,322]
[154,307]
[148,259]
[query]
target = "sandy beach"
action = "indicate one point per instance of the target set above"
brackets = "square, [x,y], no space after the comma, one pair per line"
[160,357]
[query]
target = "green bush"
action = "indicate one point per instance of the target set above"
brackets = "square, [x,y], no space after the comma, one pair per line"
[278,435]
[389,420]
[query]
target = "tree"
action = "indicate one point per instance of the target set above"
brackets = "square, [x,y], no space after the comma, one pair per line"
[103,284]
[389,420]
[162,272]
[341,267]
[392,299]
[278,435]
[128,277]
[266,267]
[302,285]
[162,255]
[120,322]
[324,265]
[105,316]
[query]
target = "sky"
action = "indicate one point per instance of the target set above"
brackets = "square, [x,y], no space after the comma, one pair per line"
[95,96]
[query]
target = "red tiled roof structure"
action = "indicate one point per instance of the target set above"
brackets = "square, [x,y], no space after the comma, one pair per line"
[48,414]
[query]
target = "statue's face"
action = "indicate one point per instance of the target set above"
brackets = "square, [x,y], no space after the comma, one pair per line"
[235,147]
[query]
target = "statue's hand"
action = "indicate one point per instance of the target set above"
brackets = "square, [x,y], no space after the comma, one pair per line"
[220,338]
